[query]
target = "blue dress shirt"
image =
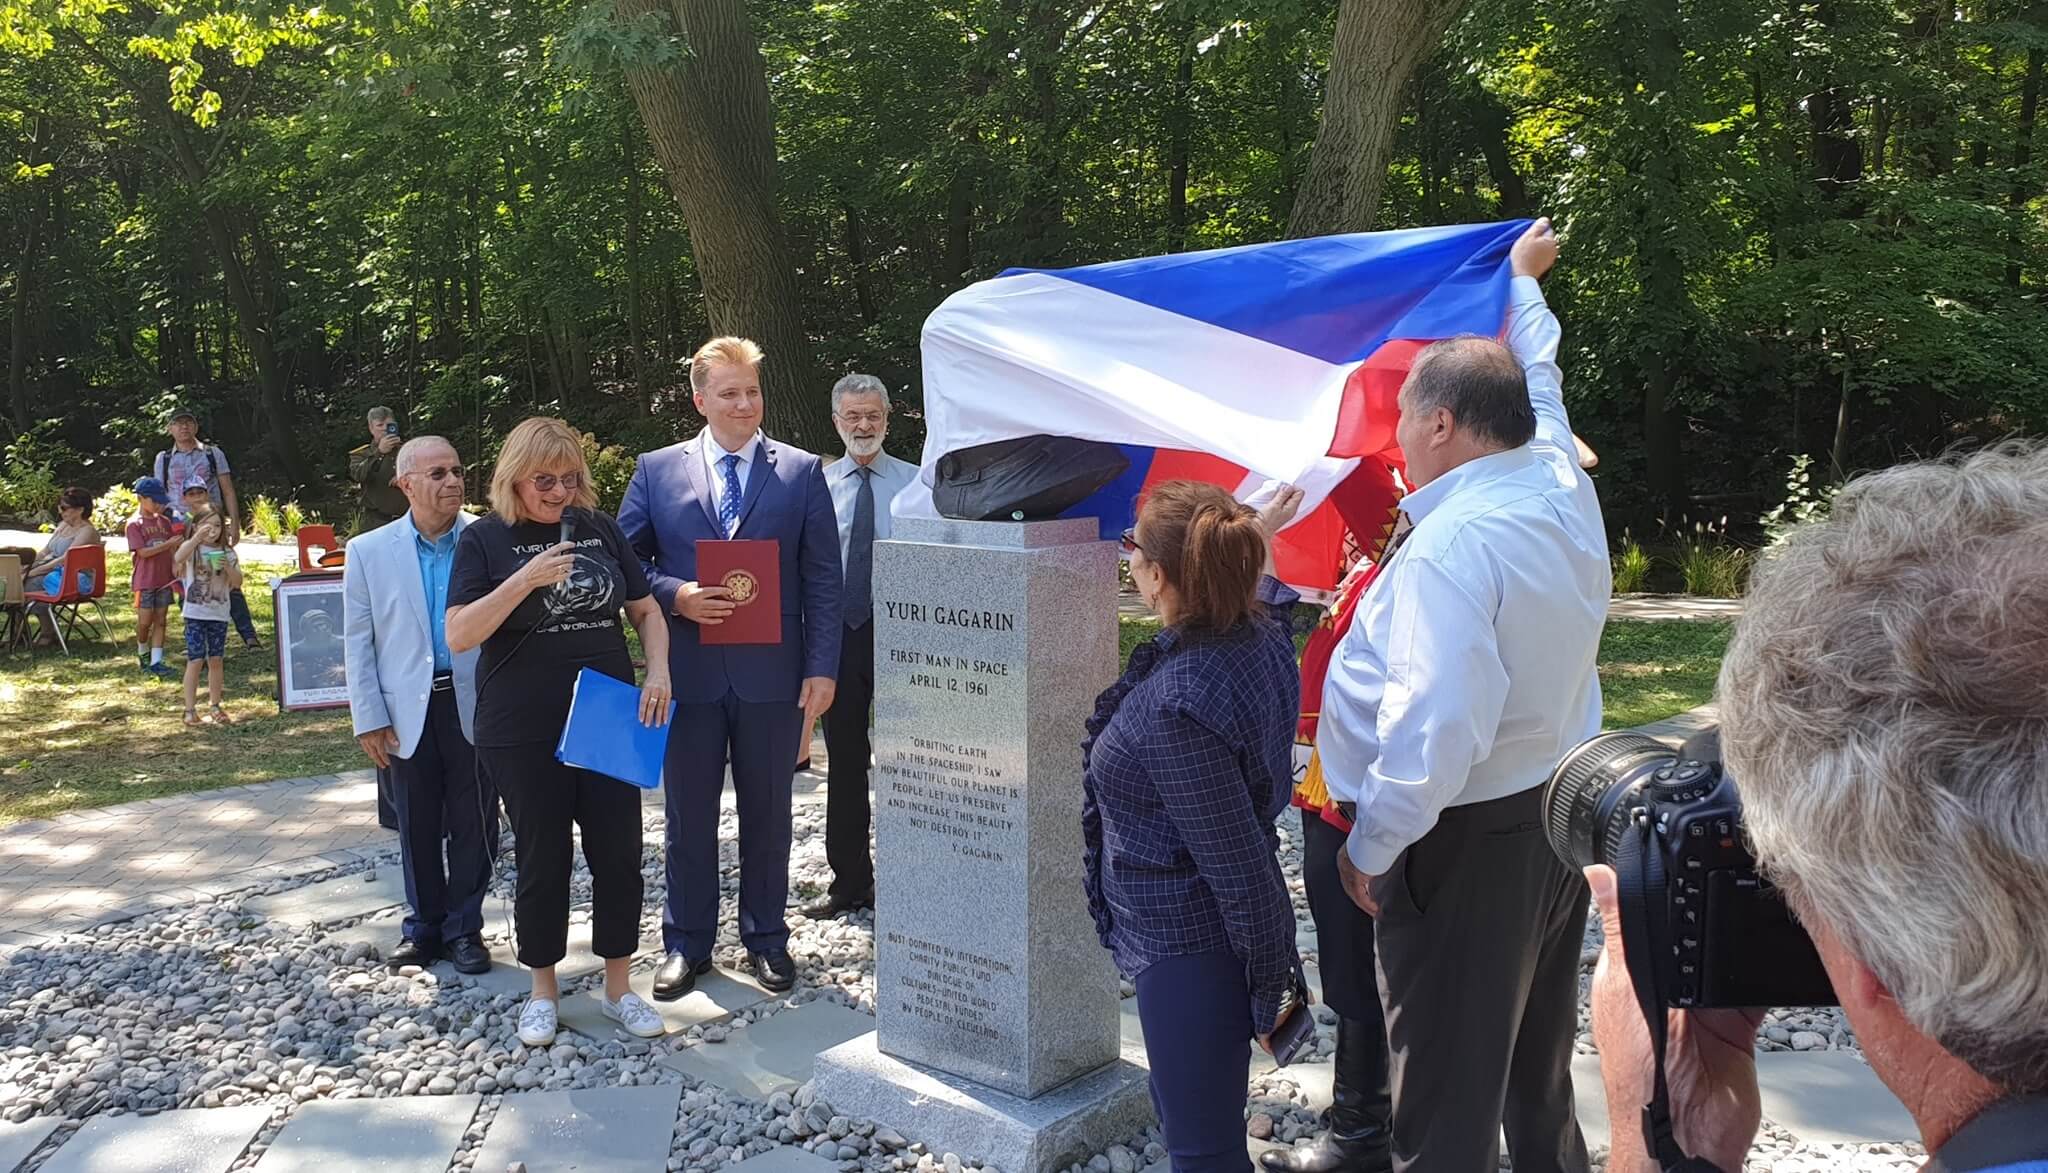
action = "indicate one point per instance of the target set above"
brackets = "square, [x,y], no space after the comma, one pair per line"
[1189,760]
[437,558]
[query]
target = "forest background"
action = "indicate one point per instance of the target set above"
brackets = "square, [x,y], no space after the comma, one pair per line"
[1801,240]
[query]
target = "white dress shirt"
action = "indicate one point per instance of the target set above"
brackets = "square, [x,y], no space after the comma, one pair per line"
[891,477]
[1469,668]
[714,458]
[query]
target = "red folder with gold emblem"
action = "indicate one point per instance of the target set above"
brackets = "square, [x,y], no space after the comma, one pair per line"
[751,573]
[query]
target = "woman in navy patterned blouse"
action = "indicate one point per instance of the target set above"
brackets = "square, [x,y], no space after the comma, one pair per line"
[1189,761]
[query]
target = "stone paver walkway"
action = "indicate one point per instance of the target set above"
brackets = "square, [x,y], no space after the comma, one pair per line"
[84,868]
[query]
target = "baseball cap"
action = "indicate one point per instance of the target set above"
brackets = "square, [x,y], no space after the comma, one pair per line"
[153,489]
[184,413]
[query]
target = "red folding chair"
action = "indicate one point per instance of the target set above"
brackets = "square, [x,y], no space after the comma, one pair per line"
[321,538]
[67,605]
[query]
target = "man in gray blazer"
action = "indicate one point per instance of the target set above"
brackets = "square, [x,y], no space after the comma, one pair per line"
[414,706]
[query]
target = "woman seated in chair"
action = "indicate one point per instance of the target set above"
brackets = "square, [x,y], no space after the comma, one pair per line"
[74,528]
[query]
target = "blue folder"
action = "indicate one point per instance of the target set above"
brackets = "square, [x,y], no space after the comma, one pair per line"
[604,734]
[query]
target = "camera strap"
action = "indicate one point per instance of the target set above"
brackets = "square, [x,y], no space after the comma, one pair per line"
[1639,873]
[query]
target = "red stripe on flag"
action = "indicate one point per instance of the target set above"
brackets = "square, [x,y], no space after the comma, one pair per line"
[1173,464]
[1365,420]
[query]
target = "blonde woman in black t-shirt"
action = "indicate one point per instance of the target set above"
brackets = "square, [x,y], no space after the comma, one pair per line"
[544,608]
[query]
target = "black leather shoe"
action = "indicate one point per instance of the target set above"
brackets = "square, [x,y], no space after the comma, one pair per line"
[410,952]
[678,976]
[1354,1138]
[468,955]
[830,905]
[774,970]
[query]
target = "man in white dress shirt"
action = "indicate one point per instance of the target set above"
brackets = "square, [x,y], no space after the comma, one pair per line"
[864,482]
[1467,674]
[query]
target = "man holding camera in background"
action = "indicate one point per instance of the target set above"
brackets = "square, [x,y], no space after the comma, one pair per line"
[374,466]
[1467,672]
[1885,718]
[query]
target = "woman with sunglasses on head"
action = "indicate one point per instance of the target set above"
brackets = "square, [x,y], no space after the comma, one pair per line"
[543,608]
[1188,762]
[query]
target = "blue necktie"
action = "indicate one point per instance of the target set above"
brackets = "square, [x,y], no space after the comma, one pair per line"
[860,554]
[729,504]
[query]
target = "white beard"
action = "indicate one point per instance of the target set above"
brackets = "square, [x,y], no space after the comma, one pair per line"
[859,447]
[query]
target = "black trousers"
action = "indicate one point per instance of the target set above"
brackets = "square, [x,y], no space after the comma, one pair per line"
[542,798]
[1344,954]
[848,748]
[1479,934]
[1196,1012]
[440,800]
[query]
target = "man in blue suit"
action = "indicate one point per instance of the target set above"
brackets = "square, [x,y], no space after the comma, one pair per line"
[746,703]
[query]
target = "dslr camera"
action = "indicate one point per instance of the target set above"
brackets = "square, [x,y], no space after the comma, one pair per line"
[1715,933]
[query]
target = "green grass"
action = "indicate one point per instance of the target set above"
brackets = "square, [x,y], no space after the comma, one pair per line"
[90,730]
[1648,670]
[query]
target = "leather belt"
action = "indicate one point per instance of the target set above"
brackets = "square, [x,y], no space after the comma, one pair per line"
[1349,810]
[443,681]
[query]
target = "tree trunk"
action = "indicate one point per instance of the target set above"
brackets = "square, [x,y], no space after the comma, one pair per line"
[857,260]
[256,330]
[1659,265]
[1838,454]
[1491,119]
[1179,120]
[19,341]
[713,132]
[2022,162]
[1376,49]
[636,323]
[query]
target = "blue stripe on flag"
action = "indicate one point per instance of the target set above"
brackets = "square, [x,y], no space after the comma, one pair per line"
[1334,297]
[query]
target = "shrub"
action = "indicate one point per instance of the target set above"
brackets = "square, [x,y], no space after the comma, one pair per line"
[28,487]
[1711,566]
[1631,566]
[294,518]
[112,509]
[265,521]
[1802,503]
[611,467]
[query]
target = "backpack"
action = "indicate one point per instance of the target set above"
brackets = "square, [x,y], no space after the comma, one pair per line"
[163,468]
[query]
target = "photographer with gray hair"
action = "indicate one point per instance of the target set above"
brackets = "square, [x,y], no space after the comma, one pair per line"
[863,482]
[1885,718]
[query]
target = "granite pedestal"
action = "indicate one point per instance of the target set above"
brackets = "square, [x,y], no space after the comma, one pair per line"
[996,1008]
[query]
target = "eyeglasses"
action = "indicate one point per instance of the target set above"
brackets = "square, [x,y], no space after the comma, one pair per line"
[437,474]
[854,419]
[1130,541]
[545,482]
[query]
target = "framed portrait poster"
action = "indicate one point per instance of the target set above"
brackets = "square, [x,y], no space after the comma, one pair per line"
[312,671]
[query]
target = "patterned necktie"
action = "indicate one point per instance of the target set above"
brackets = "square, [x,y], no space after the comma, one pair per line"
[860,553]
[729,503]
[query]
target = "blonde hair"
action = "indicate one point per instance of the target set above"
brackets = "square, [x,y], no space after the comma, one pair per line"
[535,445]
[729,350]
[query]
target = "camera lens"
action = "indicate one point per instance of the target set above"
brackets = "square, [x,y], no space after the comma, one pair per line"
[1591,796]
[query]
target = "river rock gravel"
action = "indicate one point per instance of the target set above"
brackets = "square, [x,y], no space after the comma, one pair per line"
[209,1005]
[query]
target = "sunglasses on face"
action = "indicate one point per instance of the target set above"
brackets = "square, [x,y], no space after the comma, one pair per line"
[545,482]
[438,474]
[1129,541]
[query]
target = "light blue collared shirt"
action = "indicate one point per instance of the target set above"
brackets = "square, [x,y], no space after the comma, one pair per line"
[436,558]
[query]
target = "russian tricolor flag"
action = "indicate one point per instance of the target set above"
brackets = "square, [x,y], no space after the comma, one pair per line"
[1241,367]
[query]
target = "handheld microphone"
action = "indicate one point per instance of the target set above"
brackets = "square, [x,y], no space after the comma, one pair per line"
[568,522]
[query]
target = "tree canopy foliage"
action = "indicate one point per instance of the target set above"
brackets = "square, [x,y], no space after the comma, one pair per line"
[1809,231]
